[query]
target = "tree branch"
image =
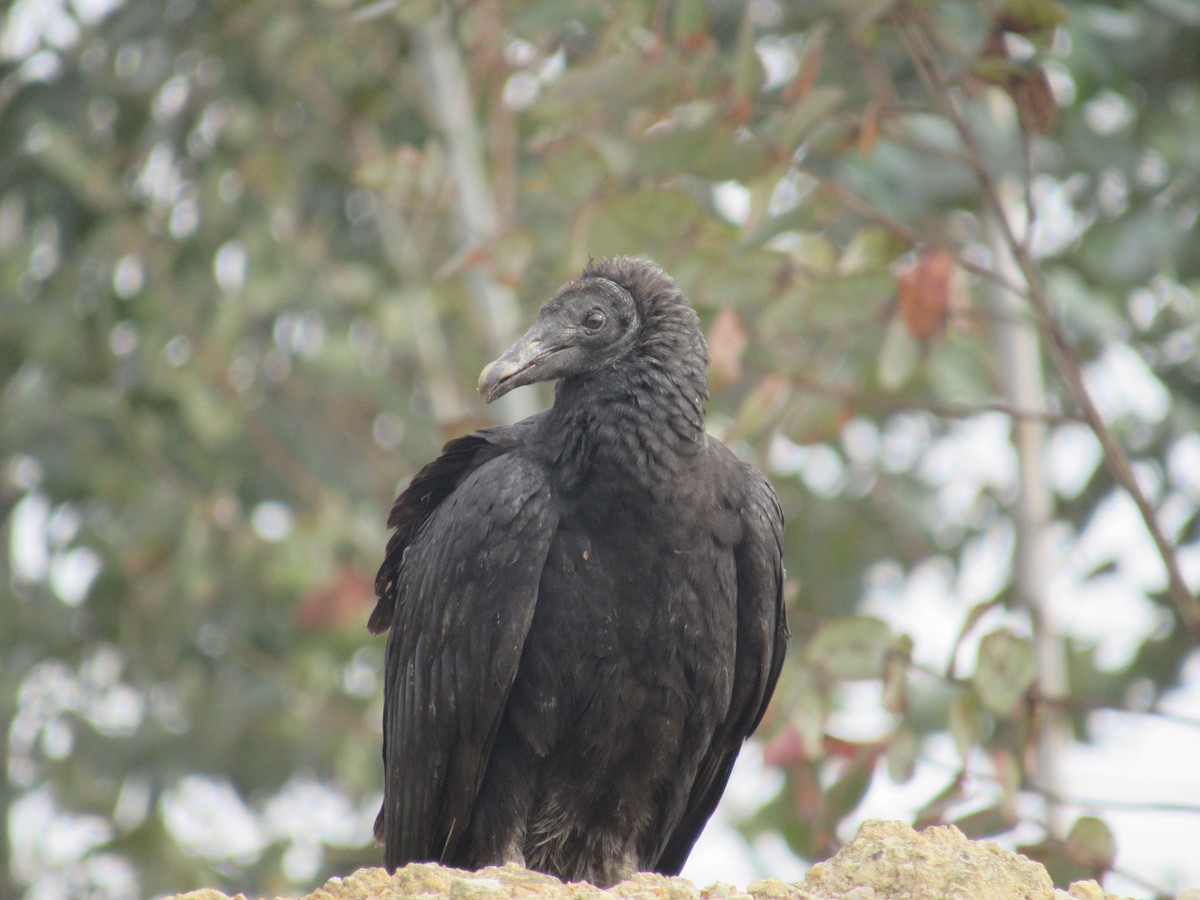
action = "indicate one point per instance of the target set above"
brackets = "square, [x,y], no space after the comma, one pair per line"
[449,103]
[1057,341]
[1020,365]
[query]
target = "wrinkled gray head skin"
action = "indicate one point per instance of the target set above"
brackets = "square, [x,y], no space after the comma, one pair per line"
[594,324]
[586,327]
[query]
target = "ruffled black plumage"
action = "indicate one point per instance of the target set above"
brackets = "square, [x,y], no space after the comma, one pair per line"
[585,608]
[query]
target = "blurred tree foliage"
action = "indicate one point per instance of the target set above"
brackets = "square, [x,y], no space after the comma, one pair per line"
[248,276]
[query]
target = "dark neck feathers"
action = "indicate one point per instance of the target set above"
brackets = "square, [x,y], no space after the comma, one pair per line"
[644,415]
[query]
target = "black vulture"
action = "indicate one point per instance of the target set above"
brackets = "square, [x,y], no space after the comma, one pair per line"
[586,607]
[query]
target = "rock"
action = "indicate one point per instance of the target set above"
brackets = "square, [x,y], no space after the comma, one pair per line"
[889,859]
[885,861]
[1086,890]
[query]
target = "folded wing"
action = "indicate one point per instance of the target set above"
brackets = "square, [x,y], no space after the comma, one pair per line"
[762,634]
[458,589]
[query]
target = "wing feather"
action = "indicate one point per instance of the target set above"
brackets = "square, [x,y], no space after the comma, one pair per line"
[761,645]
[433,484]
[465,580]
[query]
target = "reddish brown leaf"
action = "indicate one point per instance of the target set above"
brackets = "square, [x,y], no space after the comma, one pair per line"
[923,293]
[809,799]
[806,78]
[742,109]
[1028,87]
[1035,101]
[785,749]
[342,600]
[694,41]
[840,748]
[726,344]
[869,130]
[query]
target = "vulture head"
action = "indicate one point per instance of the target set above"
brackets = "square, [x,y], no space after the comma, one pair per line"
[621,315]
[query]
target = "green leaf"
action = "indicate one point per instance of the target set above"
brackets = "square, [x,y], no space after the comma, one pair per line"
[869,12]
[576,169]
[761,408]
[717,151]
[902,752]
[1087,852]
[689,20]
[982,823]
[966,722]
[622,79]
[848,300]
[511,254]
[811,418]
[974,614]
[895,675]
[934,812]
[851,647]
[61,153]
[1092,844]
[870,250]
[844,795]
[898,357]
[806,714]
[546,15]
[788,128]
[1032,15]
[658,223]
[1005,670]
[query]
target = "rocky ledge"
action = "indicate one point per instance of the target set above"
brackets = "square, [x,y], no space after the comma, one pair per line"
[885,861]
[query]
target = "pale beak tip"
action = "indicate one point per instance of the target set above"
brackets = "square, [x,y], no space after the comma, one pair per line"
[500,376]
[488,381]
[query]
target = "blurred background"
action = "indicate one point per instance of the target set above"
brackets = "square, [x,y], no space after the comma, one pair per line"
[254,254]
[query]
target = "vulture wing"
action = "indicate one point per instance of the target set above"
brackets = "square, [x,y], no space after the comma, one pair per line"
[762,634]
[458,588]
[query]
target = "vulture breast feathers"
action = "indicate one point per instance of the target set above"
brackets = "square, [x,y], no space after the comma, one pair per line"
[585,608]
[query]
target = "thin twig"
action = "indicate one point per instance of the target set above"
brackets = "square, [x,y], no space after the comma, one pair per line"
[1071,705]
[1059,344]
[908,233]
[1126,805]
[1067,799]
[853,397]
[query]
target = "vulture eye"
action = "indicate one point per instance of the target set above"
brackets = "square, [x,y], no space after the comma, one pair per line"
[594,320]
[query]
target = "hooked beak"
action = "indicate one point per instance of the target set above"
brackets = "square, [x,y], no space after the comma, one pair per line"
[519,364]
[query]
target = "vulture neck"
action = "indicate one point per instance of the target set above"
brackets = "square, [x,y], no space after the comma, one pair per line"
[640,423]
